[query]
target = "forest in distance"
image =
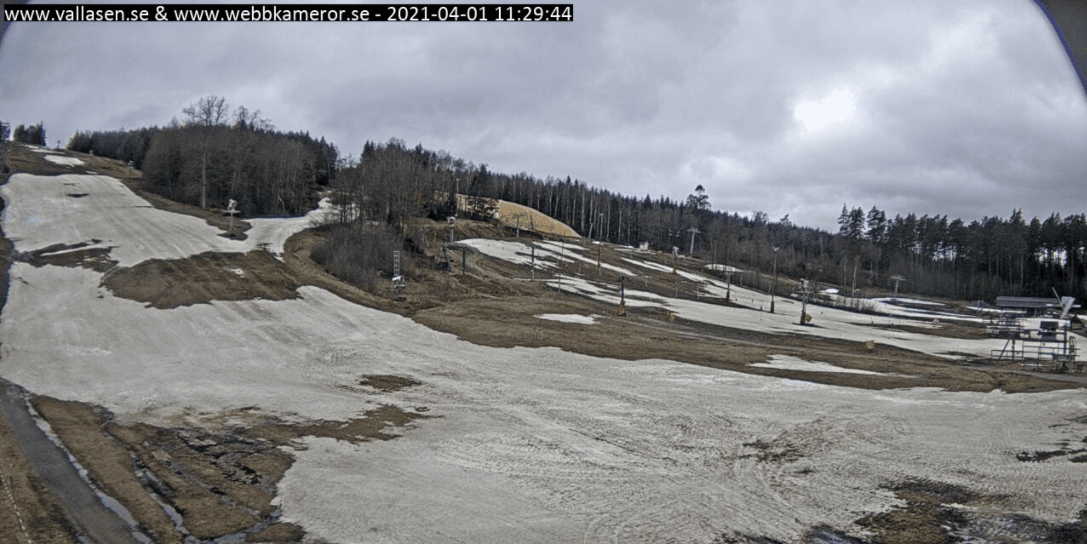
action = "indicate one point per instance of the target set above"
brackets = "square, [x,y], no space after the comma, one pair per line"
[218,154]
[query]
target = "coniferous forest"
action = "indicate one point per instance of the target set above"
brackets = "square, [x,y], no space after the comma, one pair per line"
[216,154]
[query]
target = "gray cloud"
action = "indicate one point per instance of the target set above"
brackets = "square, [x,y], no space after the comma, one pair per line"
[966,111]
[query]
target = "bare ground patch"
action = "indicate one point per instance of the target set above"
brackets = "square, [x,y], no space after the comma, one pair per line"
[387,382]
[646,333]
[170,283]
[71,255]
[183,482]
[941,513]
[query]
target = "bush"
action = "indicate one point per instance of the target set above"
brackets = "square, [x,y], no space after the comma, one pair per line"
[357,253]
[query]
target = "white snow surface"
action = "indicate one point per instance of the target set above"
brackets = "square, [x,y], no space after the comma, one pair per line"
[527,444]
[560,246]
[664,268]
[893,300]
[722,268]
[514,252]
[67,161]
[548,254]
[40,213]
[569,318]
[887,306]
[789,362]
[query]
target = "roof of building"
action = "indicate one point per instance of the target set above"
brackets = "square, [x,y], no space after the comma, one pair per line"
[1031,303]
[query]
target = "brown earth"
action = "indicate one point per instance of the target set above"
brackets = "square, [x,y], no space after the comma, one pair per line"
[218,483]
[71,255]
[199,279]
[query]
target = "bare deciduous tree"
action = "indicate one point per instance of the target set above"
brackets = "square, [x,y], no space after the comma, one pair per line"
[208,112]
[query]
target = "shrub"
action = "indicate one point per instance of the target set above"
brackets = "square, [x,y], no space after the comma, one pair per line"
[358,253]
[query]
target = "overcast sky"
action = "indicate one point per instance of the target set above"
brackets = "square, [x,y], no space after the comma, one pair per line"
[783,107]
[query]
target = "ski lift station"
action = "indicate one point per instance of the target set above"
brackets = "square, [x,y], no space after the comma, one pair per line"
[1037,331]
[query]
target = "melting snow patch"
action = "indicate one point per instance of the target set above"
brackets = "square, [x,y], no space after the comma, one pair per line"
[518,253]
[514,252]
[722,268]
[604,293]
[569,318]
[70,161]
[908,301]
[665,268]
[272,233]
[560,247]
[788,362]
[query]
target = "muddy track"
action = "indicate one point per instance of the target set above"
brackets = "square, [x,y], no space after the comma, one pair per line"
[50,463]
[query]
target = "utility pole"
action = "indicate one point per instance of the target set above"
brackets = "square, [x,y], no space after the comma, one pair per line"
[728,292]
[853,294]
[231,210]
[775,286]
[622,309]
[807,288]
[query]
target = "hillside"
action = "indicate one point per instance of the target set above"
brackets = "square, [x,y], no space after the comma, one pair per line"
[224,386]
[516,216]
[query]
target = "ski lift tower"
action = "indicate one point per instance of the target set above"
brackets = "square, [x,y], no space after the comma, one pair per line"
[398,279]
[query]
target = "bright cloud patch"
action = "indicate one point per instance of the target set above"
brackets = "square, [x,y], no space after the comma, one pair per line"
[837,107]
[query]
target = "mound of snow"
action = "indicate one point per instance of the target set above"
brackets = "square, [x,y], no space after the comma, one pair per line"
[66,161]
[788,362]
[569,318]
